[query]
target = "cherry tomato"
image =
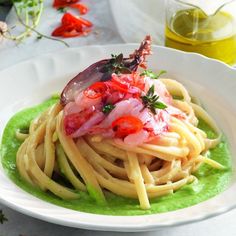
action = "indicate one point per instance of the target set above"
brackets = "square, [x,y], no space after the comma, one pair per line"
[126,125]
[96,90]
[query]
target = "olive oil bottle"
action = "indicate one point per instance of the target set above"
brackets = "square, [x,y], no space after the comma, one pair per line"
[213,36]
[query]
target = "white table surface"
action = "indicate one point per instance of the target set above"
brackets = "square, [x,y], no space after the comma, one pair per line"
[106,33]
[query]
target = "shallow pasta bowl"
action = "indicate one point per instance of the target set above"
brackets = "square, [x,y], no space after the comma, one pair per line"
[31,82]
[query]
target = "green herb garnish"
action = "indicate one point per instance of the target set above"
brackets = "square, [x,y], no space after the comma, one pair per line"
[39,37]
[116,65]
[151,74]
[150,100]
[2,217]
[108,108]
[62,9]
[28,13]
[24,130]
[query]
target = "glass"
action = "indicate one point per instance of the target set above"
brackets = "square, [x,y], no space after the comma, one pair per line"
[191,29]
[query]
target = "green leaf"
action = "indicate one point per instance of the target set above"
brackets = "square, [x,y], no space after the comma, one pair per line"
[2,217]
[115,65]
[108,108]
[151,74]
[30,4]
[39,37]
[159,105]
[125,70]
[151,91]
[62,9]
[119,58]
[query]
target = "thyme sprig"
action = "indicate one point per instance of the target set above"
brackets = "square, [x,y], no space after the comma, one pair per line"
[150,100]
[116,65]
[31,11]
[2,217]
[40,35]
[28,13]
[151,74]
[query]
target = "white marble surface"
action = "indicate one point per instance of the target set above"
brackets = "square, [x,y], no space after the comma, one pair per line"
[107,33]
[104,32]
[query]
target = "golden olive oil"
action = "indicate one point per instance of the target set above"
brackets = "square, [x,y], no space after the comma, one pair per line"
[213,36]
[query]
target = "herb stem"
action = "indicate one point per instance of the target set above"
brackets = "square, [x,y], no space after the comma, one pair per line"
[32,28]
[28,28]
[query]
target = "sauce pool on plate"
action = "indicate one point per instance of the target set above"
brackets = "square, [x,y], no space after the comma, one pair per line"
[210,181]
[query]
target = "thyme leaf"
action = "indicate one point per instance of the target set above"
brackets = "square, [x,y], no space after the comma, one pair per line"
[108,108]
[152,75]
[150,100]
[62,9]
[116,65]
[2,217]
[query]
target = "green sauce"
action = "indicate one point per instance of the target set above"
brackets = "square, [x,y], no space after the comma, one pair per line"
[211,181]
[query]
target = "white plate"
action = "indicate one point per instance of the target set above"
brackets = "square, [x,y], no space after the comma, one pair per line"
[30,82]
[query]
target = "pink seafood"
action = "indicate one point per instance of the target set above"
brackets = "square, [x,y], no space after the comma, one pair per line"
[122,104]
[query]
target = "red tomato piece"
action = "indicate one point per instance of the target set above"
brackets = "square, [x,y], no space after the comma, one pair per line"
[126,125]
[84,22]
[71,27]
[96,90]
[68,31]
[80,7]
[72,122]
[63,3]
[59,31]
[68,18]
[72,34]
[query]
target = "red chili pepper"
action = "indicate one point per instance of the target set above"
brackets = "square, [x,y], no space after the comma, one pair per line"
[80,7]
[125,84]
[73,121]
[63,3]
[118,84]
[126,125]
[96,90]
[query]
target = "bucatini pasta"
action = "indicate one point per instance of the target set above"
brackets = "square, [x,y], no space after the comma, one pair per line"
[94,162]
